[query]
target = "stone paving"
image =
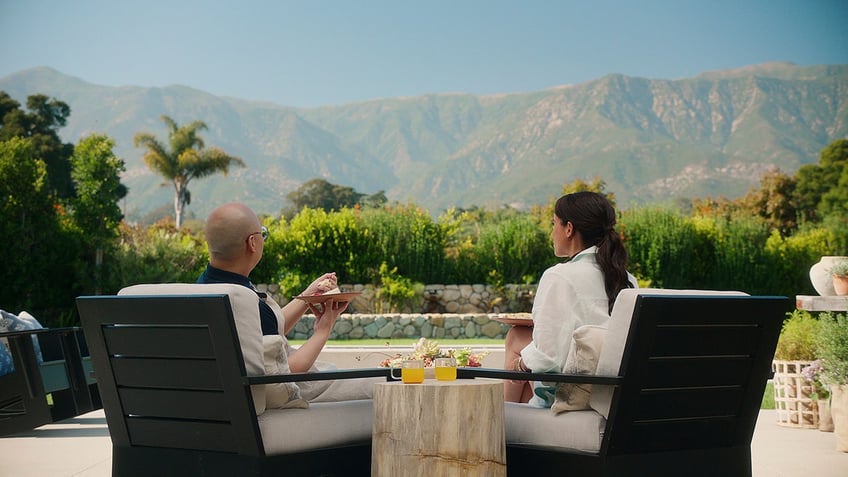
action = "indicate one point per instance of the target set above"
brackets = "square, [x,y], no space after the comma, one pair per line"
[80,447]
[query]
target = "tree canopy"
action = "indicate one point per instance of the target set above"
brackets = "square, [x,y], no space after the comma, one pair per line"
[40,124]
[187,159]
[822,188]
[96,174]
[320,194]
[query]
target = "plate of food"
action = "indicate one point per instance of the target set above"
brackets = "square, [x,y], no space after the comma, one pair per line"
[515,319]
[334,295]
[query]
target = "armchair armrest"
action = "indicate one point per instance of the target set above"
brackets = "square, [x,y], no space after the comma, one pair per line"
[15,334]
[464,373]
[318,376]
[38,331]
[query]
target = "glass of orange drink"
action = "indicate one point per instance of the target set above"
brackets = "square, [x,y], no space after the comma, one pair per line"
[445,369]
[411,371]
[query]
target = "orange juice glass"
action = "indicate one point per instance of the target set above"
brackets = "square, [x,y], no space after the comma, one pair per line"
[445,369]
[411,371]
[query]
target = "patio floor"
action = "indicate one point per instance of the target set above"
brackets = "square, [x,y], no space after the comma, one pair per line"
[80,447]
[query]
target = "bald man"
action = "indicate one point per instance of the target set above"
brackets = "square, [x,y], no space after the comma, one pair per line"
[236,240]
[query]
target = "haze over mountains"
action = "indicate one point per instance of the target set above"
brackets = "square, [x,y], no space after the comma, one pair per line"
[649,139]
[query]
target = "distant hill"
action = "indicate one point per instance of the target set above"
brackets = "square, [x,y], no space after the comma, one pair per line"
[650,140]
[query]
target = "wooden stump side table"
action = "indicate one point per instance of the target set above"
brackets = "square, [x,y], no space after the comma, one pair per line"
[439,428]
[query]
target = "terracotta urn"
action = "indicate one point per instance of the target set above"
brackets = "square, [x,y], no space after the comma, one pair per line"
[840,285]
[820,275]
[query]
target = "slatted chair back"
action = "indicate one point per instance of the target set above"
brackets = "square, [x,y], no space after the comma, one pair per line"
[61,371]
[171,372]
[694,374]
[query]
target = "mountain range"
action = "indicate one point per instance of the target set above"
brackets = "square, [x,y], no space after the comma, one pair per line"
[649,139]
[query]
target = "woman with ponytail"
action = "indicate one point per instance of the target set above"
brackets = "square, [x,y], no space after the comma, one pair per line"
[579,292]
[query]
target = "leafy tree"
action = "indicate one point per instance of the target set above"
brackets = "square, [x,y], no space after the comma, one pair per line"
[822,189]
[718,207]
[40,124]
[775,201]
[544,213]
[320,194]
[597,185]
[37,255]
[377,199]
[187,159]
[835,201]
[96,174]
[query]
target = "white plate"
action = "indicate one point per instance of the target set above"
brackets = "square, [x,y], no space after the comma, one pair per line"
[514,321]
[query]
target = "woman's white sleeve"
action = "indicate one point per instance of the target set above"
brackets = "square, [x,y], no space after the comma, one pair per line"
[553,324]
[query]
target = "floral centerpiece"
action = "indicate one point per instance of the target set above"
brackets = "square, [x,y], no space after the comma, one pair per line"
[429,350]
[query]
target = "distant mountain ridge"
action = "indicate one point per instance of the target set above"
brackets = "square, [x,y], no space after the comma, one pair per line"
[649,139]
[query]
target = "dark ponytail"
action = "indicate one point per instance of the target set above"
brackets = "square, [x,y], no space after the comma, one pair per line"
[593,217]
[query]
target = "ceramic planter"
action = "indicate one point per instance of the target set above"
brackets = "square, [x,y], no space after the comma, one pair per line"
[840,285]
[820,275]
[839,411]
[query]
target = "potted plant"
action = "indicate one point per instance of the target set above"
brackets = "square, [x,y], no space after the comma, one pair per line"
[796,350]
[839,271]
[832,349]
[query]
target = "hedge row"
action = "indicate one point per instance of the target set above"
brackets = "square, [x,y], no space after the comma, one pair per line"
[667,249]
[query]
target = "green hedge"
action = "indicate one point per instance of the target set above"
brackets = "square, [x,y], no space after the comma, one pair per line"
[667,248]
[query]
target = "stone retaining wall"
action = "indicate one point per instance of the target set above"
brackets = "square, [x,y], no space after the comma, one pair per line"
[407,325]
[460,299]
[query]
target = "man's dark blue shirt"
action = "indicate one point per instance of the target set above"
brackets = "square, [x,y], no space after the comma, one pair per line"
[266,315]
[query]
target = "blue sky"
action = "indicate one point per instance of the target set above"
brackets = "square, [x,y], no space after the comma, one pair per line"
[320,52]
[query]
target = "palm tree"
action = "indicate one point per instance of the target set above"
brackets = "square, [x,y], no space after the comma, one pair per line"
[186,160]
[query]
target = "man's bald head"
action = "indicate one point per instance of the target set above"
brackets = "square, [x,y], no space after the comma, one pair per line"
[227,229]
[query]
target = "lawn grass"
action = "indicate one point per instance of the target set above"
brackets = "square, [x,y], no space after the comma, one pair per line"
[768,397]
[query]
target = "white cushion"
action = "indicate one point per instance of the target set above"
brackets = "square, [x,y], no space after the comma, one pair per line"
[609,362]
[245,305]
[323,424]
[578,430]
[586,344]
[279,395]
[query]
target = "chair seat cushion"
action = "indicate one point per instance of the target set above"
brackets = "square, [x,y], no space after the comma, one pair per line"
[573,431]
[322,425]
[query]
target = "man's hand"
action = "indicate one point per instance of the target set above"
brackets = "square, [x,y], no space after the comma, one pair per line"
[326,314]
[322,284]
[302,358]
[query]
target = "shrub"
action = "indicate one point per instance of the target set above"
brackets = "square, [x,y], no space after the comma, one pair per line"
[406,238]
[512,249]
[159,254]
[667,248]
[790,259]
[832,347]
[740,260]
[313,243]
[395,290]
[798,337]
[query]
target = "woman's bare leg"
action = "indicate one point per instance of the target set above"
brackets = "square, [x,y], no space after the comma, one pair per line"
[516,339]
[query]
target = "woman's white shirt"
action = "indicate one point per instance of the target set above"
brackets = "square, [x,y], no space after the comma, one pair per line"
[569,295]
